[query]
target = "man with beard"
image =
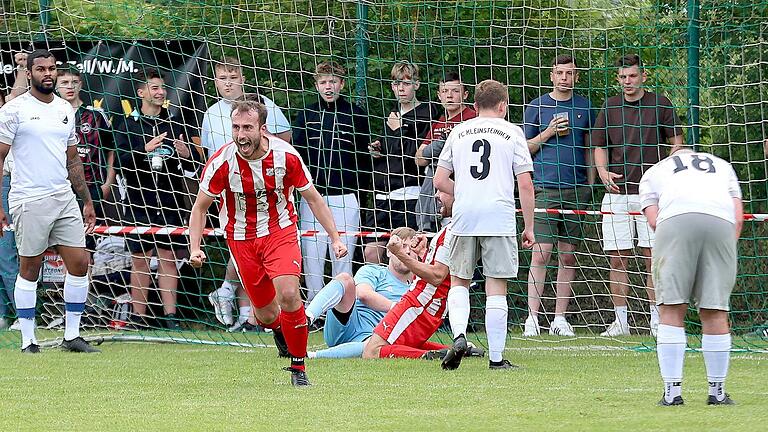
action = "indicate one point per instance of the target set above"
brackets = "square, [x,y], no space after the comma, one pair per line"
[38,129]
[256,176]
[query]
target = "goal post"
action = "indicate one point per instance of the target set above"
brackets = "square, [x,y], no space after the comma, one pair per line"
[709,61]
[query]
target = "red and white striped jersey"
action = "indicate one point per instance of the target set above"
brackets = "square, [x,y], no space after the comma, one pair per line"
[431,297]
[257,194]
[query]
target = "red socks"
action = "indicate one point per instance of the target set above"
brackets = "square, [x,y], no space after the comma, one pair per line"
[400,351]
[433,346]
[296,332]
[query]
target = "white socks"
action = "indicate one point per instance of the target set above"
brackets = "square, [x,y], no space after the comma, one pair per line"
[621,315]
[717,354]
[25,298]
[75,293]
[670,348]
[458,310]
[654,314]
[244,312]
[496,326]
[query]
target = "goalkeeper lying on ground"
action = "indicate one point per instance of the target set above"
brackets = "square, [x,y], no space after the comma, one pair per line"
[370,305]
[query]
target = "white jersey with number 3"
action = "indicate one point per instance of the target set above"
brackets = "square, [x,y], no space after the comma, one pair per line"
[691,182]
[484,155]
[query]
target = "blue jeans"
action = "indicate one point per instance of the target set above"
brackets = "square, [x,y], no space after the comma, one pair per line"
[9,261]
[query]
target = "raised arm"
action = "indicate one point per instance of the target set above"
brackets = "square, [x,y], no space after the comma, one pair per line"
[434,274]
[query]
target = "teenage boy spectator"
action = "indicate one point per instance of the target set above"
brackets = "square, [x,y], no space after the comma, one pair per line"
[557,128]
[395,173]
[452,95]
[332,137]
[630,135]
[216,132]
[94,145]
[152,154]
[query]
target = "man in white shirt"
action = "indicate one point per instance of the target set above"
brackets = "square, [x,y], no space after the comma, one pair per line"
[38,128]
[693,202]
[485,154]
[217,131]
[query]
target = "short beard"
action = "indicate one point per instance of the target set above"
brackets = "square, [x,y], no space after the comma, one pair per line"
[44,90]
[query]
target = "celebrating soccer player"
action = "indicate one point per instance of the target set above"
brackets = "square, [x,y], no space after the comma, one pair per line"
[256,175]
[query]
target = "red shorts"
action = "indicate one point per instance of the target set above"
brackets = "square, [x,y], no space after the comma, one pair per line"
[260,260]
[410,323]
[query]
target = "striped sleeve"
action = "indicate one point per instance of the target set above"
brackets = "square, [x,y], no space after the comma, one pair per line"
[297,173]
[215,176]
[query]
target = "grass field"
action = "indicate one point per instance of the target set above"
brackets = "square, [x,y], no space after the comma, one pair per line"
[578,387]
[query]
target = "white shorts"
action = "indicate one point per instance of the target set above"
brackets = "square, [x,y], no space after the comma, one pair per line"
[499,256]
[51,221]
[621,229]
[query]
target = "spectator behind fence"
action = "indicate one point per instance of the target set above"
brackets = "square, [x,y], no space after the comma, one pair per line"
[39,129]
[95,143]
[627,136]
[557,128]
[395,173]
[152,154]
[332,137]
[452,95]
[9,259]
[216,132]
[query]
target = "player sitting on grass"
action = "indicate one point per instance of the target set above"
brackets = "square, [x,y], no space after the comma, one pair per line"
[407,327]
[357,305]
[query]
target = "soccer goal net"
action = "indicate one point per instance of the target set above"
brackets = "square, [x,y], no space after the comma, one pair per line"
[708,60]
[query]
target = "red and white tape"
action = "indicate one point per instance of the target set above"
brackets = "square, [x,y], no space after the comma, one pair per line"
[217,232]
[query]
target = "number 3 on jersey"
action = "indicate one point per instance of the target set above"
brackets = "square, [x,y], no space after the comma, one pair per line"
[698,162]
[484,148]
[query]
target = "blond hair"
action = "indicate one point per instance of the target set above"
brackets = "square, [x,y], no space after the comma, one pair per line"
[403,232]
[405,70]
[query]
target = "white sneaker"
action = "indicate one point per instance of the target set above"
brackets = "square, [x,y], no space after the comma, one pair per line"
[3,323]
[654,327]
[616,329]
[561,328]
[16,326]
[223,303]
[531,327]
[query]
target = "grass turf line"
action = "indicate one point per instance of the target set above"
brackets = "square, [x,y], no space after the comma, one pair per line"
[181,387]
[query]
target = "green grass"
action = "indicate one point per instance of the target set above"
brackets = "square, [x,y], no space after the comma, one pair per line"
[137,387]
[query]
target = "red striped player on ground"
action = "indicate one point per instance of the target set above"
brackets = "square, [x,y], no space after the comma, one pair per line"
[407,327]
[256,175]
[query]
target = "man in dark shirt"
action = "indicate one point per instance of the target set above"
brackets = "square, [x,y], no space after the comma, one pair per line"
[95,143]
[630,136]
[395,173]
[332,137]
[152,155]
